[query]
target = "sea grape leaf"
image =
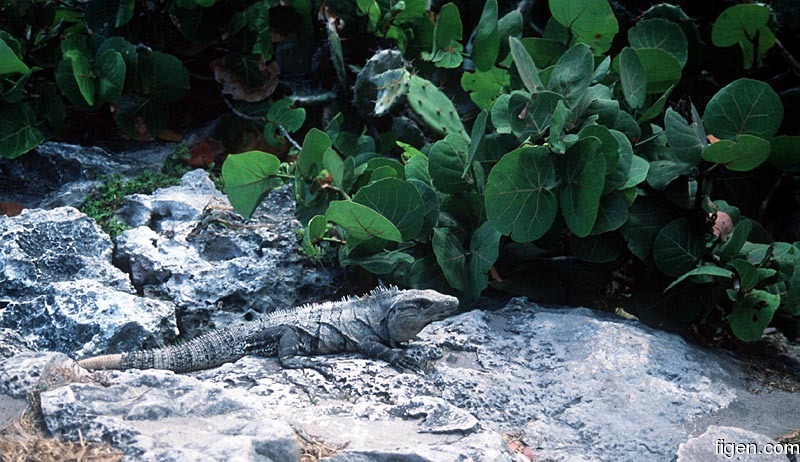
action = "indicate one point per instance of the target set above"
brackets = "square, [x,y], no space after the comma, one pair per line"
[686,141]
[581,185]
[18,131]
[398,201]
[706,270]
[742,155]
[744,106]
[591,21]
[9,61]
[753,314]
[678,247]
[248,178]
[361,222]
[662,34]
[519,201]
[633,78]
[525,66]
[486,44]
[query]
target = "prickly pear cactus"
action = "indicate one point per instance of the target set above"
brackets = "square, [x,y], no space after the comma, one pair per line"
[434,107]
[381,83]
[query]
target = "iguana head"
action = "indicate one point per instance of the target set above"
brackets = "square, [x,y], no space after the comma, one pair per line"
[410,311]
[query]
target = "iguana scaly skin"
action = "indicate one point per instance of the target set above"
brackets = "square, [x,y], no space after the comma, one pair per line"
[374,325]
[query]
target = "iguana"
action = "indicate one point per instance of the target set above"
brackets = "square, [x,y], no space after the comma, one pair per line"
[374,325]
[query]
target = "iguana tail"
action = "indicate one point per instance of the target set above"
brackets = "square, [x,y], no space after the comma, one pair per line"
[204,352]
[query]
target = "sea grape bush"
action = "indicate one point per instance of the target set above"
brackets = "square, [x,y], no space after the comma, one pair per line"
[574,151]
[463,146]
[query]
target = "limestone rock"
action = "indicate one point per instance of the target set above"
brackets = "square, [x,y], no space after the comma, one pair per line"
[160,416]
[59,290]
[191,248]
[730,443]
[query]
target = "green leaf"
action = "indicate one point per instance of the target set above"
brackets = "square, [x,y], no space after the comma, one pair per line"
[662,34]
[602,248]
[612,214]
[478,131]
[742,155]
[753,314]
[430,206]
[396,200]
[686,141]
[609,147]
[544,52]
[664,172]
[317,226]
[466,270]
[657,108]
[140,117]
[662,69]
[748,274]
[9,61]
[248,178]
[677,248]
[335,166]
[124,12]
[18,132]
[621,175]
[486,45]
[163,77]
[361,222]
[525,66]
[384,262]
[417,168]
[561,117]
[500,114]
[530,116]
[632,77]
[510,25]
[448,159]
[739,23]
[448,26]
[785,153]
[484,250]
[76,53]
[707,270]
[519,201]
[485,87]
[581,185]
[310,159]
[111,75]
[572,74]
[645,220]
[751,55]
[591,21]
[425,273]
[281,112]
[744,106]
[639,170]
[791,301]
[450,57]
[735,241]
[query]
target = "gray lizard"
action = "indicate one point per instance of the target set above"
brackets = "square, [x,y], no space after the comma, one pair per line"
[374,325]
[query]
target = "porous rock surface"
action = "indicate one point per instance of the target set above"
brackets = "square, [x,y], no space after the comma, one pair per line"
[59,290]
[188,246]
[62,174]
[571,384]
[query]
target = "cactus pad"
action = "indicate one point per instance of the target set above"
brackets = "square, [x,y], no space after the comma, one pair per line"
[434,107]
[381,83]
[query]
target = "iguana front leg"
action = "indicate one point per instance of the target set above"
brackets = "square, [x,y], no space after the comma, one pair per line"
[402,360]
